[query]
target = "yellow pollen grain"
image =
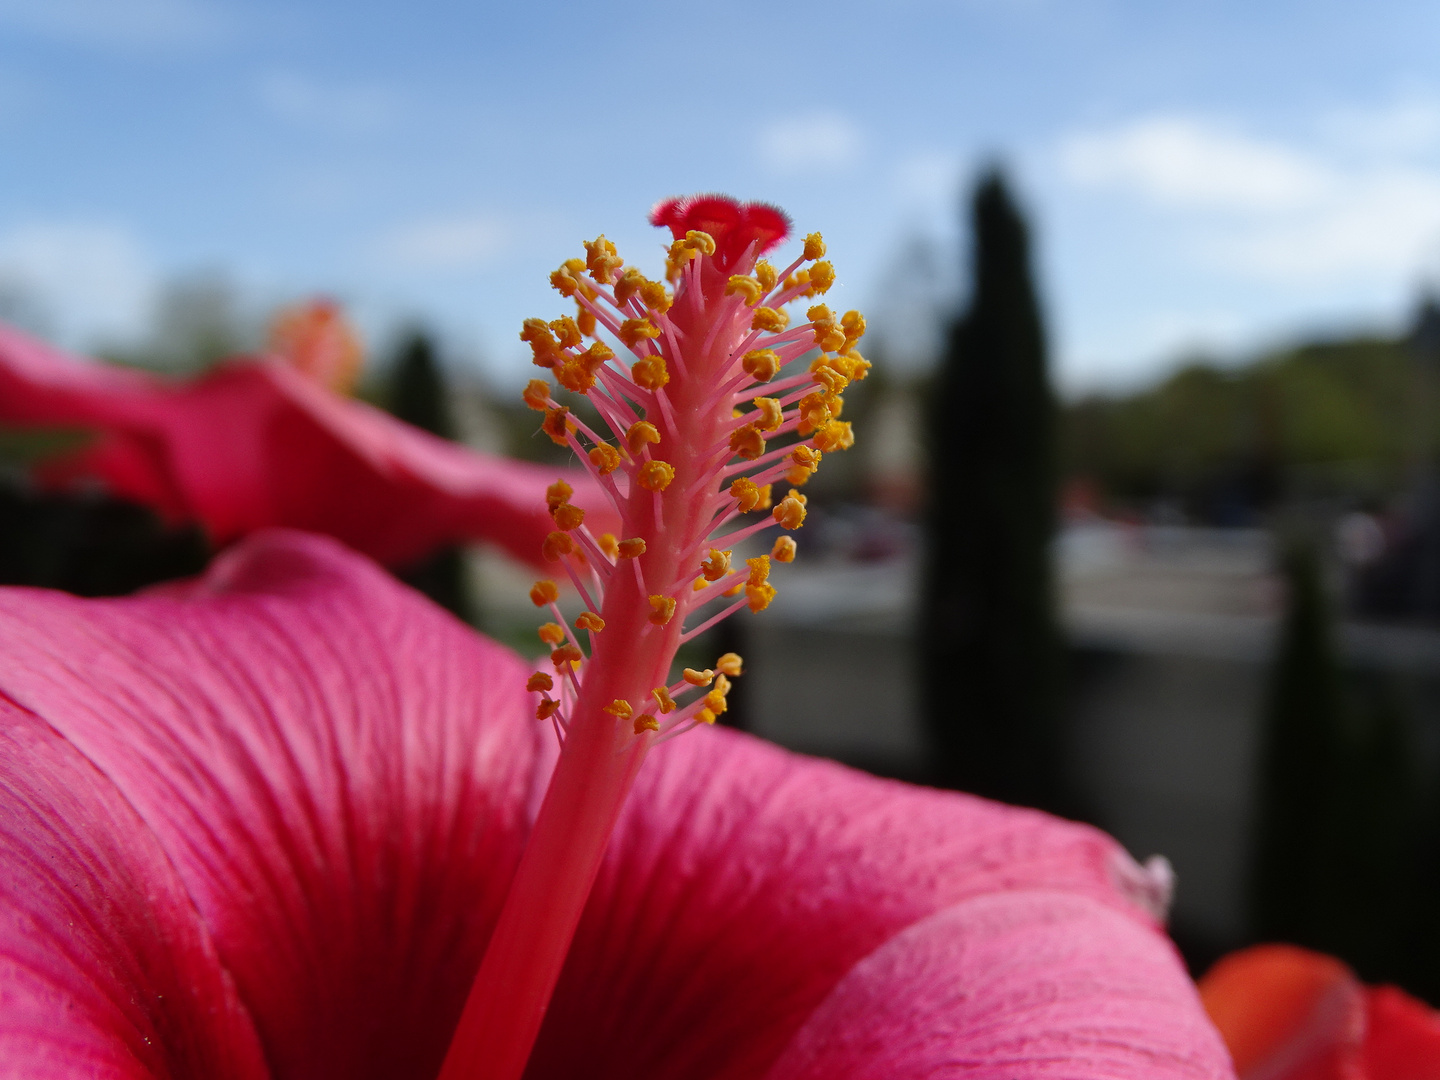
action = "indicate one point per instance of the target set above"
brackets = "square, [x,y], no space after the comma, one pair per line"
[544,592]
[854,325]
[566,654]
[758,597]
[784,549]
[609,545]
[656,297]
[537,394]
[663,699]
[588,620]
[605,458]
[748,287]
[584,319]
[762,365]
[730,664]
[716,565]
[814,247]
[662,609]
[835,435]
[640,433]
[546,709]
[632,548]
[602,260]
[633,330]
[764,503]
[539,681]
[744,489]
[556,546]
[655,475]
[557,425]
[558,494]
[630,283]
[620,708]
[702,242]
[698,678]
[771,414]
[747,442]
[766,274]
[759,569]
[646,722]
[552,633]
[791,512]
[650,372]
[567,334]
[822,276]
[568,516]
[768,318]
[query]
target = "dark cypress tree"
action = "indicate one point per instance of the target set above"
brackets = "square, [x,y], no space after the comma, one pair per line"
[991,648]
[418,396]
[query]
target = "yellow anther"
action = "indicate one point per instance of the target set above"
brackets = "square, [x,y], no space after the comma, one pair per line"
[632,548]
[737,590]
[814,411]
[797,477]
[801,499]
[730,664]
[854,325]
[558,494]
[556,546]
[784,549]
[568,516]
[715,704]
[698,678]
[630,283]
[602,260]
[698,584]
[806,457]
[663,699]
[716,565]
[564,281]
[835,435]
[544,592]
[557,425]
[702,242]
[540,681]
[744,489]
[650,372]
[769,318]
[747,442]
[798,280]
[748,287]
[640,433]
[633,330]
[575,376]
[609,545]
[619,708]
[542,342]
[771,414]
[705,716]
[759,569]
[588,620]
[662,609]
[762,365]
[546,709]
[758,597]
[764,503]
[585,319]
[605,458]
[766,274]
[655,475]
[567,334]
[828,334]
[791,512]
[814,247]
[828,377]
[552,633]
[537,394]
[822,276]
[858,368]
[656,297]
[646,722]
[566,654]
[680,253]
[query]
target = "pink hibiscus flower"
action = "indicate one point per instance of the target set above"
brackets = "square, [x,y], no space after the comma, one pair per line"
[258,443]
[262,825]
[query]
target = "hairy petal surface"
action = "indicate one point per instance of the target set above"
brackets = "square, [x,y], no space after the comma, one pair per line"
[340,774]
[254,444]
[746,888]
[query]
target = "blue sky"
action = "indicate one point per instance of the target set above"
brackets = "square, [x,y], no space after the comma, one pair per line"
[1215,174]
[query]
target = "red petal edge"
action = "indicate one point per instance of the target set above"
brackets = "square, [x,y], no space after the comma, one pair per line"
[734,225]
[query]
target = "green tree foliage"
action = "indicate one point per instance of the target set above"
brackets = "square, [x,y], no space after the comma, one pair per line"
[990,649]
[1333,863]
[418,396]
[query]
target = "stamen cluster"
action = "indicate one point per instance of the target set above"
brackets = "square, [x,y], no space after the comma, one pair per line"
[707,404]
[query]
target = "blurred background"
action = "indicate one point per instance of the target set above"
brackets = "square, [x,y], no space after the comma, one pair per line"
[1142,525]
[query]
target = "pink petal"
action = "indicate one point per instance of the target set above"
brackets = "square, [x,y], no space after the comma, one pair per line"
[256,444]
[1012,986]
[105,967]
[341,774]
[745,884]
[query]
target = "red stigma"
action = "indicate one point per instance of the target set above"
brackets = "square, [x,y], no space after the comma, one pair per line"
[734,225]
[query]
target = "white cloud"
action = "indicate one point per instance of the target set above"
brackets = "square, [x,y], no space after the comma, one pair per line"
[456,243]
[346,110]
[124,24]
[96,278]
[1179,161]
[1408,126]
[821,141]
